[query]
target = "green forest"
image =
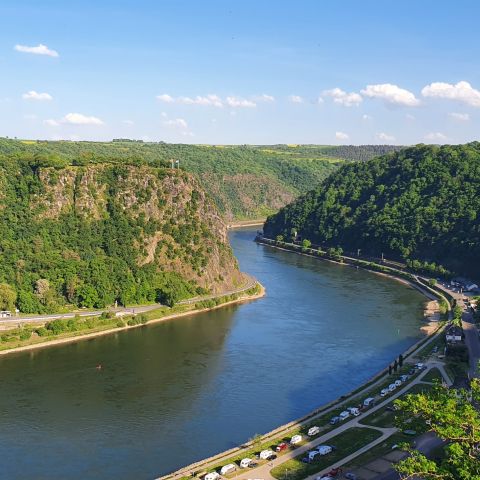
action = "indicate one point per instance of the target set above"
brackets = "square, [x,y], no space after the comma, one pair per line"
[92,235]
[245,182]
[420,204]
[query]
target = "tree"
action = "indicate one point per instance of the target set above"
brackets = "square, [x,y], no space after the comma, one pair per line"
[8,297]
[400,360]
[306,244]
[389,369]
[279,238]
[452,416]
[87,296]
[395,366]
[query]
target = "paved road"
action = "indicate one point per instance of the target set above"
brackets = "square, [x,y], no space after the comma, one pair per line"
[472,340]
[12,321]
[263,472]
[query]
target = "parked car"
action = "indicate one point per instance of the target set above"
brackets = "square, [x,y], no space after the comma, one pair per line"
[211,476]
[354,411]
[344,415]
[384,392]
[350,476]
[295,440]
[419,366]
[334,472]
[324,477]
[324,449]
[312,431]
[266,454]
[403,378]
[368,402]
[412,371]
[392,387]
[230,468]
[281,447]
[245,463]
[398,383]
[334,420]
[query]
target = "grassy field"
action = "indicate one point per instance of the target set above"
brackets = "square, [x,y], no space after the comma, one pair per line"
[345,443]
[433,375]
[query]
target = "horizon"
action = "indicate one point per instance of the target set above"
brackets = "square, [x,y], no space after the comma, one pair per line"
[239,72]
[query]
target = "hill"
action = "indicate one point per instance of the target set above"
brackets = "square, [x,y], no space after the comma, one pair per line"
[91,235]
[421,203]
[245,182]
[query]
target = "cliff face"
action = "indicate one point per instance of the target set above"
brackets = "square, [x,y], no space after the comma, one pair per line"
[89,226]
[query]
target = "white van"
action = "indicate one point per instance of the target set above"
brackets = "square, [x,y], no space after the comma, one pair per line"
[344,415]
[245,463]
[404,378]
[384,392]
[228,469]
[398,383]
[354,411]
[313,431]
[211,476]
[265,454]
[313,454]
[368,401]
[392,387]
[295,440]
[324,449]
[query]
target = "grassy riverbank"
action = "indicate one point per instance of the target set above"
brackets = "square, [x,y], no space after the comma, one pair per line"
[61,331]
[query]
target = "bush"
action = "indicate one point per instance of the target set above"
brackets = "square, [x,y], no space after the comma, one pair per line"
[120,323]
[42,332]
[25,334]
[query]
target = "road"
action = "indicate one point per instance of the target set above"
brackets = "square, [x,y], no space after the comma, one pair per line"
[263,471]
[14,321]
[472,340]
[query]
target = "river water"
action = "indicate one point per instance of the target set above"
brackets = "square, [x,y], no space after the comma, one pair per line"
[178,391]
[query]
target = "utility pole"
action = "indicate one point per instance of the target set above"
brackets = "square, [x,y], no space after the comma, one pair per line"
[382,258]
[358,252]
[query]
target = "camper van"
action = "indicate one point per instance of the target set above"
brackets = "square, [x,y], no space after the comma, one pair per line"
[245,463]
[324,449]
[354,411]
[313,431]
[211,476]
[368,402]
[344,415]
[266,454]
[230,468]
[295,440]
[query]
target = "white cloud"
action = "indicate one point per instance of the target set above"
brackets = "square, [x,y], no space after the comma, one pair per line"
[436,136]
[295,99]
[265,98]
[237,102]
[176,123]
[51,122]
[80,119]
[165,98]
[461,92]
[164,114]
[384,137]
[341,136]
[208,100]
[460,117]
[40,49]
[366,117]
[391,94]
[341,97]
[33,95]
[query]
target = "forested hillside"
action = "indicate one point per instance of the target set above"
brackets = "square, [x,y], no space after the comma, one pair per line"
[419,203]
[243,181]
[95,234]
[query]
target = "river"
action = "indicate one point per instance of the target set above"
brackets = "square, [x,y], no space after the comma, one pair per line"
[178,391]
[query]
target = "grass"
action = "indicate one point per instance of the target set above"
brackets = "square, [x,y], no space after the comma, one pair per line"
[346,443]
[380,418]
[378,451]
[433,375]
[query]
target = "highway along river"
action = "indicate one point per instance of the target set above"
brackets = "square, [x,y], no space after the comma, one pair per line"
[179,391]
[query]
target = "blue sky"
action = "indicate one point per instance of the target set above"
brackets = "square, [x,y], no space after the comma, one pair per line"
[271,71]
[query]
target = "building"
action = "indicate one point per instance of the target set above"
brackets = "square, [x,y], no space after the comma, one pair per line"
[5,313]
[454,334]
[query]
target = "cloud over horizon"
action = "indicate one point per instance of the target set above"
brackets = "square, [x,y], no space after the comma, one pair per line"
[40,49]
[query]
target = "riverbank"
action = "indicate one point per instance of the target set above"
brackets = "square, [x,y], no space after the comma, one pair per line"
[368,388]
[200,306]
[246,223]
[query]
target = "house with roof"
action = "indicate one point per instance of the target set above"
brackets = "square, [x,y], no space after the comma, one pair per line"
[454,334]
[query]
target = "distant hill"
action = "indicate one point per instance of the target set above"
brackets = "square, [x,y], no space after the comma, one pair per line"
[421,203]
[91,235]
[245,182]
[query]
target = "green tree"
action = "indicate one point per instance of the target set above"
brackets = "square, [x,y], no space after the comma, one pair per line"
[306,244]
[87,296]
[452,416]
[8,297]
